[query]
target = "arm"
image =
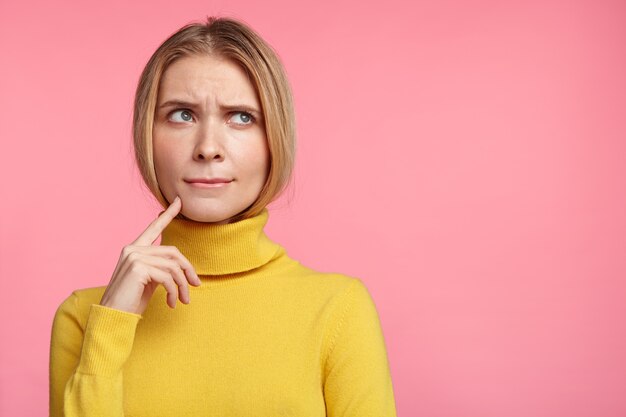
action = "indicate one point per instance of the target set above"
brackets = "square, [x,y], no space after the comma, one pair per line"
[86,362]
[357,377]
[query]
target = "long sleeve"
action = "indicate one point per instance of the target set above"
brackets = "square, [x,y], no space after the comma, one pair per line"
[357,376]
[86,362]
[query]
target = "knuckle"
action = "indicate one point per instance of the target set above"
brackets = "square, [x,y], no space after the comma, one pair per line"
[168,252]
[175,251]
[132,257]
[135,268]
[178,254]
[171,248]
[171,267]
[181,277]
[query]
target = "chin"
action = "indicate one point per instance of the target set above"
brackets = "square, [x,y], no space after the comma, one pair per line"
[209,212]
[208,219]
[205,216]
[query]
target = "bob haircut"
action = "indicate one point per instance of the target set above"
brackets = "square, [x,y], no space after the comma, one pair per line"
[236,41]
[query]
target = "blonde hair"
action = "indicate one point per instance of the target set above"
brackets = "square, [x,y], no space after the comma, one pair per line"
[234,40]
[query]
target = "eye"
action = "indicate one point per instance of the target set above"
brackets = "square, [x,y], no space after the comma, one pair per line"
[243,118]
[185,115]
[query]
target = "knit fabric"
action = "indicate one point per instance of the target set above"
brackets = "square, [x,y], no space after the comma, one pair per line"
[262,336]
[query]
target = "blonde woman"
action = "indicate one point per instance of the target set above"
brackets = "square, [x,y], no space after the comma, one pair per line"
[256,333]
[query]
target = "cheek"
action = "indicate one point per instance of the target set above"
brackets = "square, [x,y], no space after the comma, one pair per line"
[165,156]
[256,159]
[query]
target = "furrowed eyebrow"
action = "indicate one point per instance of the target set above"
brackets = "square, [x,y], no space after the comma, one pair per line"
[229,107]
[177,103]
[243,107]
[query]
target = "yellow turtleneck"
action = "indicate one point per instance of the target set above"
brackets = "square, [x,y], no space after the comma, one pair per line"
[262,336]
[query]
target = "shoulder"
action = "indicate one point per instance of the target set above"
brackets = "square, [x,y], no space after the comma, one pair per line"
[77,304]
[336,290]
[317,281]
[352,321]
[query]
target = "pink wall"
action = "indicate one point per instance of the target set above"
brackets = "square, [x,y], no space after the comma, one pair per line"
[466,160]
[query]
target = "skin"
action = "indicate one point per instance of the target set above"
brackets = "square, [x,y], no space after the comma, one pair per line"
[201,138]
[143,266]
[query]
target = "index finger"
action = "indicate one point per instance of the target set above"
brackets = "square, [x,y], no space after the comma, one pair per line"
[154,229]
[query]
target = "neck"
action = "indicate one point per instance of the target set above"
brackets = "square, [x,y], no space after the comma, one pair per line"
[218,249]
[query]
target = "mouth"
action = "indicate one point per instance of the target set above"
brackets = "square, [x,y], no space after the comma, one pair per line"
[208,182]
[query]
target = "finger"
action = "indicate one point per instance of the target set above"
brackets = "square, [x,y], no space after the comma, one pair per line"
[172,252]
[154,229]
[174,269]
[164,278]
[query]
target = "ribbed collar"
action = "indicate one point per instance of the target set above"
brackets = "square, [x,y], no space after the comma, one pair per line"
[217,249]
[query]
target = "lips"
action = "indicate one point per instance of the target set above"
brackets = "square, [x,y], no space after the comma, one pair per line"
[208,180]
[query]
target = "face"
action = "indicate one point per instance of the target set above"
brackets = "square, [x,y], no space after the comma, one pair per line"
[208,124]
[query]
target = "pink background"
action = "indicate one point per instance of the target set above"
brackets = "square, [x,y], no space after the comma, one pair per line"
[466,160]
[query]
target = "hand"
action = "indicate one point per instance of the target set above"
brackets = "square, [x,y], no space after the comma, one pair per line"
[143,266]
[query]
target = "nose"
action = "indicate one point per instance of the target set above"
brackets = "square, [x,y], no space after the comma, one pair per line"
[209,143]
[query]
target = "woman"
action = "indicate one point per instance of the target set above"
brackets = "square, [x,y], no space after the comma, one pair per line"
[258,333]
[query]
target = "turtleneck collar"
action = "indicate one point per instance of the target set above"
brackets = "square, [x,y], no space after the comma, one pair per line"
[217,249]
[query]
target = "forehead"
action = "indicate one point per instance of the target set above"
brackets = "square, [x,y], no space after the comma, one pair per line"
[204,77]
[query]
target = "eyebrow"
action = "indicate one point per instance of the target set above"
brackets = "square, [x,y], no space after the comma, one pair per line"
[228,107]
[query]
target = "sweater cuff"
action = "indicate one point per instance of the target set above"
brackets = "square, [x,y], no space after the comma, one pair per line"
[108,340]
